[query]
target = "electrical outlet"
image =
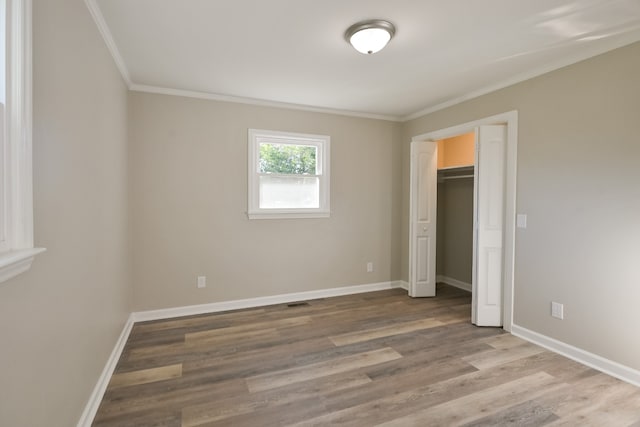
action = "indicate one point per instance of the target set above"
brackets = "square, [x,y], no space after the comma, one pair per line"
[521,221]
[557,310]
[202,282]
[369,267]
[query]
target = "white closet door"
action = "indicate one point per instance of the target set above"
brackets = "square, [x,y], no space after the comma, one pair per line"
[423,207]
[489,223]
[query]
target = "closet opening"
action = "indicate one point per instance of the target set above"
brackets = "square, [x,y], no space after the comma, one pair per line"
[455,210]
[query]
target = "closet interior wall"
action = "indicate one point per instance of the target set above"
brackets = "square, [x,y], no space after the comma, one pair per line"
[455,229]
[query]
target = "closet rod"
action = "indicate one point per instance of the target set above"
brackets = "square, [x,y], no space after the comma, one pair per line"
[457,177]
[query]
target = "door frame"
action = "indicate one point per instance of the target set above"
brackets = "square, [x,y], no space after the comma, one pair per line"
[510,119]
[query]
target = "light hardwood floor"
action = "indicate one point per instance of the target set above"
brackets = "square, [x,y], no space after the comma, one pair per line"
[380,358]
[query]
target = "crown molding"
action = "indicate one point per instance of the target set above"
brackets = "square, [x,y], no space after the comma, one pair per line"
[258,102]
[98,18]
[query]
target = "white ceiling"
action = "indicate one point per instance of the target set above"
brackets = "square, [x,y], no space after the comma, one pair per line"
[294,52]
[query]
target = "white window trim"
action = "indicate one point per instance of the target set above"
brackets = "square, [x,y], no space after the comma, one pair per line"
[18,252]
[321,141]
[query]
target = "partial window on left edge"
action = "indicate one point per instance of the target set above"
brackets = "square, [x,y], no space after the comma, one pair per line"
[3,101]
[16,179]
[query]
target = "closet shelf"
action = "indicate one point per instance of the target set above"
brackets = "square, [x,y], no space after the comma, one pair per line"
[456,168]
[457,172]
[445,178]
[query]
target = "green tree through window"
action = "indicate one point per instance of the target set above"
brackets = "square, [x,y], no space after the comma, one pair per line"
[287,159]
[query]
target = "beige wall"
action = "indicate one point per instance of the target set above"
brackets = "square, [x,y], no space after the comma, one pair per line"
[578,181]
[189,198]
[60,321]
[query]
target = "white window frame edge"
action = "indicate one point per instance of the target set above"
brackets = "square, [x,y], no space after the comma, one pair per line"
[323,142]
[18,172]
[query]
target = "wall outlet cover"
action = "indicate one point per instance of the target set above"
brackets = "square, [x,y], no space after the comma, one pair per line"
[202,281]
[557,310]
[521,220]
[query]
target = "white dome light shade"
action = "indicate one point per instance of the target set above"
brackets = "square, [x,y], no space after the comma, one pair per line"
[370,36]
[371,40]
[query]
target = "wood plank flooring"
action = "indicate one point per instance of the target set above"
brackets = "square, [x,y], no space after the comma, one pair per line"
[380,358]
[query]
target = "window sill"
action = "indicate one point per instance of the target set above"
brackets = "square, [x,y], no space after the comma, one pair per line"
[288,215]
[13,263]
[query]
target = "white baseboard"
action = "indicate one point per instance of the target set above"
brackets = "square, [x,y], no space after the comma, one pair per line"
[594,361]
[167,313]
[401,284]
[454,282]
[93,404]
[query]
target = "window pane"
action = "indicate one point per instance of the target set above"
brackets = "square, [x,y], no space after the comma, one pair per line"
[289,192]
[288,159]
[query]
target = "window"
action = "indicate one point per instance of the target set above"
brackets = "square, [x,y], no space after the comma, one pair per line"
[16,204]
[3,103]
[288,175]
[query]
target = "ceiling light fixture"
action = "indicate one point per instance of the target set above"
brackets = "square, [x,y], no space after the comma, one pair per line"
[370,36]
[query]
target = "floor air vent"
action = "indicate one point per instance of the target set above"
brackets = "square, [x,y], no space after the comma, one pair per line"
[297,304]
